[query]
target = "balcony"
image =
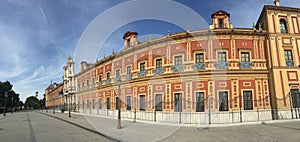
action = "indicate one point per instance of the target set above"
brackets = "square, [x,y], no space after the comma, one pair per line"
[141,73]
[107,81]
[199,66]
[222,65]
[178,68]
[128,76]
[158,70]
[290,63]
[246,65]
[99,83]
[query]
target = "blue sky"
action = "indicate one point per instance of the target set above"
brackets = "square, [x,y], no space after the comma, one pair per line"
[37,36]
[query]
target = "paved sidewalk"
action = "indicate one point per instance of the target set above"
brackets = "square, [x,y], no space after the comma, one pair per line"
[133,132]
[285,130]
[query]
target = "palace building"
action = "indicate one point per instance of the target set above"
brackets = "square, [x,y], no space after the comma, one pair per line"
[217,75]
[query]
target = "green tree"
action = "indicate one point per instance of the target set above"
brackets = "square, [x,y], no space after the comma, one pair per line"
[32,102]
[12,97]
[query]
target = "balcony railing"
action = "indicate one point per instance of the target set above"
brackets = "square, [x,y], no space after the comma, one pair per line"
[245,65]
[178,68]
[141,73]
[290,63]
[116,79]
[158,70]
[222,65]
[99,83]
[199,66]
[107,81]
[128,76]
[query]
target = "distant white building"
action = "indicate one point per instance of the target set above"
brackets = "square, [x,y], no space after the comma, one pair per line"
[69,84]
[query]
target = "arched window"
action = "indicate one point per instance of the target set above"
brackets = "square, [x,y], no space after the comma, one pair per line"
[283,26]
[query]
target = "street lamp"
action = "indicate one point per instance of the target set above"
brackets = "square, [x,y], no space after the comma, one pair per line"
[5,104]
[119,104]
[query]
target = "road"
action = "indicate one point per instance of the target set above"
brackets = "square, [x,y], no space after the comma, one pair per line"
[37,127]
[49,127]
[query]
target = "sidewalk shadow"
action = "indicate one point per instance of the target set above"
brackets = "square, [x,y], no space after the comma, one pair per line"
[286,127]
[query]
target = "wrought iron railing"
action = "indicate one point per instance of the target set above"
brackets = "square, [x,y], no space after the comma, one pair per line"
[142,73]
[158,70]
[222,65]
[128,76]
[107,81]
[178,68]
[199,66]
[245,65]
[290,63]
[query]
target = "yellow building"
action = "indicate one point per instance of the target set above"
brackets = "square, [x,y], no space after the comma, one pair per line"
[217,75]
[283,46]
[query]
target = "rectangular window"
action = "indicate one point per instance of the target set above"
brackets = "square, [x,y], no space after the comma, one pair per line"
[78,104]
[199,102]
[88,103]
[100,78]
[142,102]
[289,58]
[107,75]
[248,102]
[82,104]
[223,101]
[88,83]
[128,43]
[107,103]
[158,102]
[158,63]
[128,102]
[93,103]
[178,60]
[100,103]
[222,57]
[245,57]
[295,98]
[93,81]
[199,58]
[117,103]
[83,84]
[288,55]
[142,66]
[118,73]
[220,23]
[128,69]
[177,102]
